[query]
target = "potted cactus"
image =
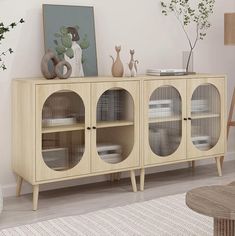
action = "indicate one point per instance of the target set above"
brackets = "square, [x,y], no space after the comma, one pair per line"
[3,30]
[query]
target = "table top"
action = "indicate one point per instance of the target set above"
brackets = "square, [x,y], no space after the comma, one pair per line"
[213,201]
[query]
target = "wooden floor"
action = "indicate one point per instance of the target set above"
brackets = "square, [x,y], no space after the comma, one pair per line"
[84,199]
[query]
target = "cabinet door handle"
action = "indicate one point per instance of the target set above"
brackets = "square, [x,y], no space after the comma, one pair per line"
[89,128]
[189,118]
[185,119]
[93,127]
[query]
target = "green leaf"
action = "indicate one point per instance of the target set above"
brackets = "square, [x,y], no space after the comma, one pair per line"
[66,41]
[70,53]
[60,49]
[85,42]
[63,30]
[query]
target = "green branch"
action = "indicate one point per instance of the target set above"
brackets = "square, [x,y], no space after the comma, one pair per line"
[187,16]
[3,30]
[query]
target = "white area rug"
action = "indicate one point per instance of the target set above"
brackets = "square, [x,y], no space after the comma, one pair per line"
[163,216]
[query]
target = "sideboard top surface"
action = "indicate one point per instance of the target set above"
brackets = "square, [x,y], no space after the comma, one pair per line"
[38,81]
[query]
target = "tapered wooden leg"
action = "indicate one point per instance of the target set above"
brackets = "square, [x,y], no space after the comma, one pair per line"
[218,164]
[112,177]
[193,164]
[221,161]
[35,197]
[133,181]
[118,176]
[18,185]
[142,177]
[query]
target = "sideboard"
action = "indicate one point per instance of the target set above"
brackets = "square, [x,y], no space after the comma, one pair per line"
[81,127]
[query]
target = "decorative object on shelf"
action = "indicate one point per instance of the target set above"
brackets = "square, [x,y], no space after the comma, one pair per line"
[202,142]
[187,15]
[160,108]
[3,30]
[199,105]
[57,67]
[185,57]
[59,121]
[56,158]
[110,153]
[117,67]
[133,64]
[109,107]
[70,32]
[166,72]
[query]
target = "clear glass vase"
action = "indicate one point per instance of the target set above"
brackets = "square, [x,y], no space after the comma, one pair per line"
[188,63]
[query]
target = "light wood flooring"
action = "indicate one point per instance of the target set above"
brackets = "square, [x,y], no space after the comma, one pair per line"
[87,198]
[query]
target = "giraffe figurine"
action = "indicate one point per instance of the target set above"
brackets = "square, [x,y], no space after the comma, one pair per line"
[133,64]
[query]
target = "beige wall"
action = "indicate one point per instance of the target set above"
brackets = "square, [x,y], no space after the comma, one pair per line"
[137,24]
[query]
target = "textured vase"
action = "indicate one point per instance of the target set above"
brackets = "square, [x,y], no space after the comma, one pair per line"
[117,67]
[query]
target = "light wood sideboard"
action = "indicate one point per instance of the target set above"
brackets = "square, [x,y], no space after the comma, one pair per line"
[81,127]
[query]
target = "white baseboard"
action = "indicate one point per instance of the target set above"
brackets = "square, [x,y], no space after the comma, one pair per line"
[9,190]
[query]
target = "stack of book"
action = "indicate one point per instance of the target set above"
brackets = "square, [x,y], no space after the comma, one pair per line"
[200,105]
[109,107]
[166,72]
[160,108]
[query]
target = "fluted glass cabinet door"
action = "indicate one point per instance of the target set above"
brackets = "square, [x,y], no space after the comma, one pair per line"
[165,127]
[61,150]
[206,116]
[115,125]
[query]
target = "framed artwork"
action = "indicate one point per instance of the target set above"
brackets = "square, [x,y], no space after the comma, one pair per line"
[70,32]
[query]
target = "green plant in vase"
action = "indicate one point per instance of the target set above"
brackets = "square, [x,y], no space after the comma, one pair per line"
[3,30]
[187,15]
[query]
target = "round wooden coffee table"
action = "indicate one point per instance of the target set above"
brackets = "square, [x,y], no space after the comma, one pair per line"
[217,202]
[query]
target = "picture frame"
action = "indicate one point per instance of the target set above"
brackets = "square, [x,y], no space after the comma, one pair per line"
[69,31]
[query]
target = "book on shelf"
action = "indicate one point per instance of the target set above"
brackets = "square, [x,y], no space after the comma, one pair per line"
[166,72]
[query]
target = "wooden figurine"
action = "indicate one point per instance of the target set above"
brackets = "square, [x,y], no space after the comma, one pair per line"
[117,67]
[133,64]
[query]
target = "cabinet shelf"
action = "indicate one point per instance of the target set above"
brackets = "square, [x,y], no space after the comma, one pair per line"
[62,128]
[118,123]
[165,119]
[205,115]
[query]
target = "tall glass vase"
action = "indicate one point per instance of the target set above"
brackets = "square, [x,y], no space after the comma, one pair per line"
[188,63]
